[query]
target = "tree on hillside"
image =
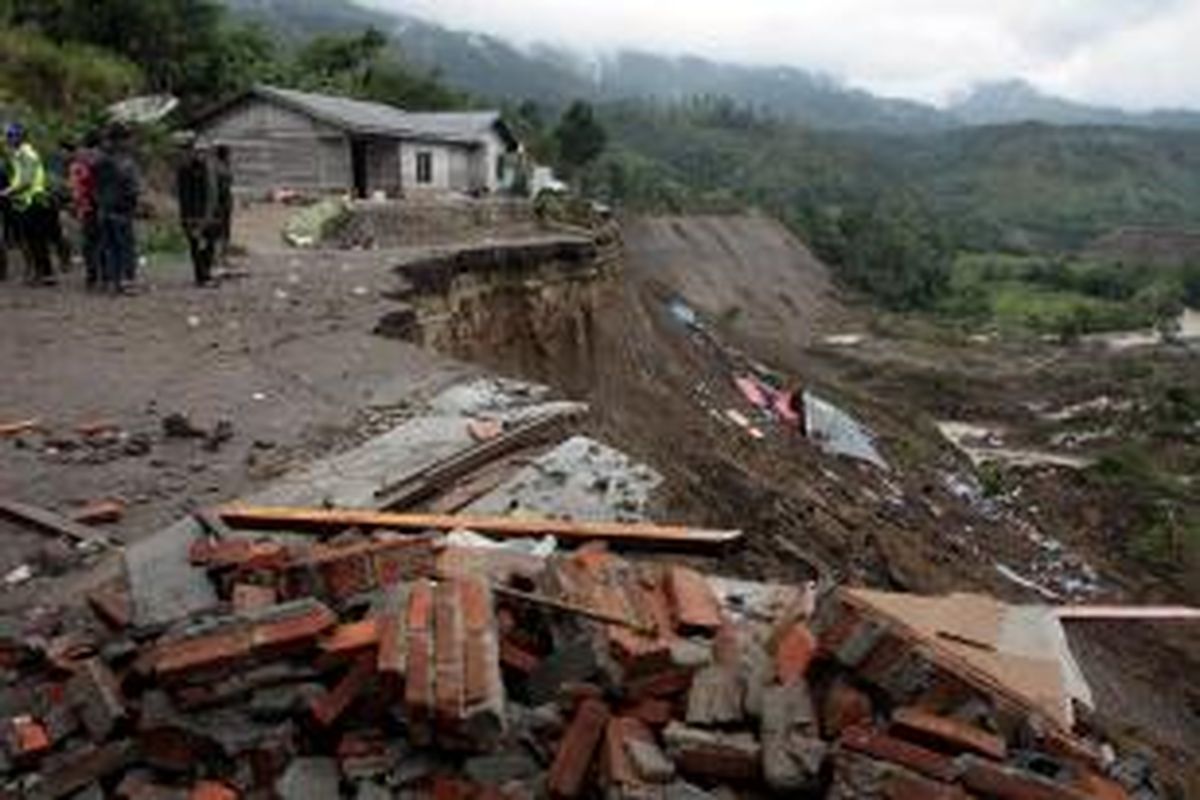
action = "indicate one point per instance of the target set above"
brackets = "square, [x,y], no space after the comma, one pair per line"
[581,138]
[342,62]
[184,47]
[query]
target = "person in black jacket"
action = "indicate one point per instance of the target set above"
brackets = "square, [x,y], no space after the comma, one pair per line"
[199,208]
[118,188]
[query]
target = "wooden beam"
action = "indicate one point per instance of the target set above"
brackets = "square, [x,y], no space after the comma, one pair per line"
[319,520]
[572,608]
[43,521]
[441,476]
[1134,613]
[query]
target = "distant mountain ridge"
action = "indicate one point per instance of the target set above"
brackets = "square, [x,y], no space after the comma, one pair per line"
[1016,101]
[492,68]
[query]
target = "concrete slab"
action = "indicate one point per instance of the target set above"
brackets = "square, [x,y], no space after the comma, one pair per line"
[163,585]
[581,479]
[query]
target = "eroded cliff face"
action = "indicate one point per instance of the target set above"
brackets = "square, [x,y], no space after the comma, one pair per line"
[525,307]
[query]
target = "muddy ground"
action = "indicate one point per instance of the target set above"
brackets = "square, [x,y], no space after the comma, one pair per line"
[284,355]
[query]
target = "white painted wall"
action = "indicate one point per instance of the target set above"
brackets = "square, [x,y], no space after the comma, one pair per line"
[441,167]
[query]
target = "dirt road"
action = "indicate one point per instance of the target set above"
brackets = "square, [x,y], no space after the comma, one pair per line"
[284,354]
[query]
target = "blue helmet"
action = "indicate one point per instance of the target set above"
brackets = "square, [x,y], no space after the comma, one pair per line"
[14,132]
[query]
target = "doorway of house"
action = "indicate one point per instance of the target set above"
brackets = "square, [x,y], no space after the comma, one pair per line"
[358,166]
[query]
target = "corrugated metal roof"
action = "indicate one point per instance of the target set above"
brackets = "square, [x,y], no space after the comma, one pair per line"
[364,116]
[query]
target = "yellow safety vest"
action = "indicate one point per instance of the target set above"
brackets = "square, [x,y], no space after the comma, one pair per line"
[29,176]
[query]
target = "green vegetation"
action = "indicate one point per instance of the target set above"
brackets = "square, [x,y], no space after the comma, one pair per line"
[581,139]
[41,79]
[709,154]
[1067,297]
[62,61]
[1166,532]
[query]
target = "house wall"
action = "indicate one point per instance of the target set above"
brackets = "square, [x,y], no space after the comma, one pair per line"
[451,168]
[273,148]
[486,161]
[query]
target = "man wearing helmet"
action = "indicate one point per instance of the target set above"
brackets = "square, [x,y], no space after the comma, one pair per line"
[30,204]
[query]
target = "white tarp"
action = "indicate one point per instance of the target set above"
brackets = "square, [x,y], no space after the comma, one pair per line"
[837,432]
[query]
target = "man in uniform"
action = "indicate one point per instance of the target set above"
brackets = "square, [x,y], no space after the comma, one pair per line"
[30,205]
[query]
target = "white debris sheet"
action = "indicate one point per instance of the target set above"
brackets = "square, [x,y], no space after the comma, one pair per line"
[837,432]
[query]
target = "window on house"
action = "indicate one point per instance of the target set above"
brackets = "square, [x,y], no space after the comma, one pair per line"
[425,167]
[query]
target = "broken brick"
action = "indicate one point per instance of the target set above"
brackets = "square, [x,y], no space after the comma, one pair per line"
[204,654]
[650,710]
[26,738]
[419,683]
[330,706]
[861,777]
[883,747]
[81,768]
[351,639]
[96,697]
[577,749]
[249,596]
[794,652]
[844,707]
[732,757]
[944,733]
[516,657]
[100,512]
[291,627]
[641,760]
[111,602]
[212,790]
[1002,782]
[693,604]
[449,667]
[242,554]
[392,654]
[715,697]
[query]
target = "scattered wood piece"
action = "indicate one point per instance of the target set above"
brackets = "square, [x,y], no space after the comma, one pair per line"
[19,427]
[422,484]
[212,523]
[485,430]
[100,512]
[320,520]
[44,521]
[572,608]
[1144,613]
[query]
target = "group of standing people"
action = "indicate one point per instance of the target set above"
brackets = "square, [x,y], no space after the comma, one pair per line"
[99,184]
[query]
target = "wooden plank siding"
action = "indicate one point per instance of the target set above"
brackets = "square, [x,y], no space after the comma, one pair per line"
[277,147]
[274,147]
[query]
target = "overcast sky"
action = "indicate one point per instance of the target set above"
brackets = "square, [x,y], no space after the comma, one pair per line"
[1133,53]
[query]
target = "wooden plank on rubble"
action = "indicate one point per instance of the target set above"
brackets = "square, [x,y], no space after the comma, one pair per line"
[321,520]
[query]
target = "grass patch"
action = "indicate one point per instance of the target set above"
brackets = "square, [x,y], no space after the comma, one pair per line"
[1062,297]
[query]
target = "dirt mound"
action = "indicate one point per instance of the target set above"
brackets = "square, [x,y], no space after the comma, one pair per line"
[748,271]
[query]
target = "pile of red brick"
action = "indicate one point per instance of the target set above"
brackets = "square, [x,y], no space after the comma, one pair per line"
[379,668]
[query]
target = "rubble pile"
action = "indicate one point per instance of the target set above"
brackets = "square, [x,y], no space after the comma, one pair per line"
[377,665]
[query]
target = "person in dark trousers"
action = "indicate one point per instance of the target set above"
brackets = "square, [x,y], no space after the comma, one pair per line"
[117,191]
[82,178]
[58,166]
[30,205]
[224,169]
[199,208]
[5,222]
